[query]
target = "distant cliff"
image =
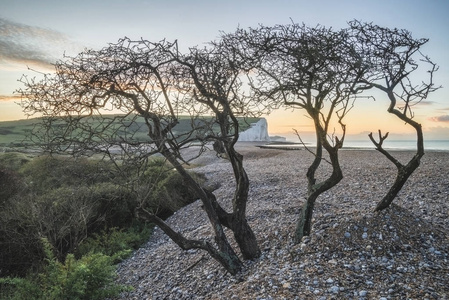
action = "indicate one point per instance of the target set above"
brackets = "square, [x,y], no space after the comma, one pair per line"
[258,132]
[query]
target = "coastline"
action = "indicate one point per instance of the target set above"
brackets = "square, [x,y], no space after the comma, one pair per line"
[444,147]
[352,253]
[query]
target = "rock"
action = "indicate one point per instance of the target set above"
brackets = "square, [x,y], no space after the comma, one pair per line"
[379,266]
[363,293]
[332,262]
[287,285]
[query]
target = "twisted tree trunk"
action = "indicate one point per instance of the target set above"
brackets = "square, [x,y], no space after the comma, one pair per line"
[304,224]
[224,254]
[403,171]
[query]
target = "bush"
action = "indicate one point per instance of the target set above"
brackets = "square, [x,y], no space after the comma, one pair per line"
[168,190]
[13,160]
[47,173]
[10,181]
[66,213]
[116,242]
[65,216]
[80,206]
[19,237]
[91,277]
[10,184]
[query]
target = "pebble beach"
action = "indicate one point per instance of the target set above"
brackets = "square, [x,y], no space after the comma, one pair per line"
[352,253]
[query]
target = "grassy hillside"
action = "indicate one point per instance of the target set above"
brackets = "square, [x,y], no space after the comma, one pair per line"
[14,133]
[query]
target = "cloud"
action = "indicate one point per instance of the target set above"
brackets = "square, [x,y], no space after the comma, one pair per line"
[419,105]
[295,125]
[4,98]
[437,133]
[24,44]
[444,118]
[426,103]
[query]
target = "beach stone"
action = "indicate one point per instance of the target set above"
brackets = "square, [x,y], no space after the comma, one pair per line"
[287,285]
[363,293]
[367,268]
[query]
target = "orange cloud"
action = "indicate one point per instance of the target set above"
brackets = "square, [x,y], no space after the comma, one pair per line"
[4,98]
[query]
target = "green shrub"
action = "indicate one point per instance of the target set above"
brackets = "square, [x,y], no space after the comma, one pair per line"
[47,172]
[19,236]
[91,277]
[13,160]
[164,188]
[19,289]
[65,216]
[115,242]
[80,206]
[10,184]
[10,181]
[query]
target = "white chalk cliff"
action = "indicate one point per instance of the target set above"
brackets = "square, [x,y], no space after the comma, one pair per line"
[257,133]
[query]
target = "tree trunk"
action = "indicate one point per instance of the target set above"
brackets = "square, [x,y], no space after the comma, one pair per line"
[304,224]
[244,235]
[404,172]
[225,254]
[246,239]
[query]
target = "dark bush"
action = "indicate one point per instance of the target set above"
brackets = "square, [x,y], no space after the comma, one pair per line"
[10,185]
[10,181]
[168,190]
[79,206]
[65,216]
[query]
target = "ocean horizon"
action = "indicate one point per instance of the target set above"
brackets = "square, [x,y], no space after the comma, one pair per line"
[434,145]
[399,144]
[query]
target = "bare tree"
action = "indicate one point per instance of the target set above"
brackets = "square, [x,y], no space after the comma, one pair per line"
[393,57]
[312,69]
[135,79]
[215,80]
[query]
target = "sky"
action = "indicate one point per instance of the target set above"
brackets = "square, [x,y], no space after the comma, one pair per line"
[34,34]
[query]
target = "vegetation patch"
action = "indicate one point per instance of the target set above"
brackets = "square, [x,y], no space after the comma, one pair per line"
[65,222]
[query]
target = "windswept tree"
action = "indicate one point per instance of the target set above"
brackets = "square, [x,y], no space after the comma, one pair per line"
[315,70]
[212,79]
[139,82]
[398,68]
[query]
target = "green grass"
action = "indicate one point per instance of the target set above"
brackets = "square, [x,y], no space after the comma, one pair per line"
[14,133]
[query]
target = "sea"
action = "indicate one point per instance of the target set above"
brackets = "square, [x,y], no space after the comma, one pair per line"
[400,144]
[429,145]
